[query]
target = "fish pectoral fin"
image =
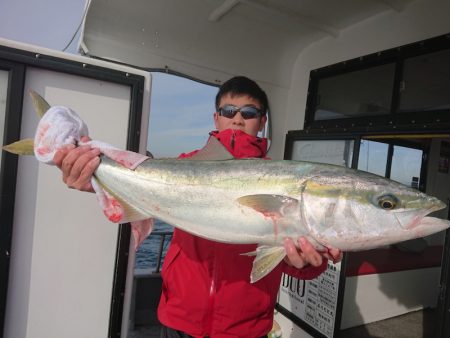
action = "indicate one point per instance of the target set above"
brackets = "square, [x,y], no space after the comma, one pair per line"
[267,258]
[271,205]
[132,214]
[22,147]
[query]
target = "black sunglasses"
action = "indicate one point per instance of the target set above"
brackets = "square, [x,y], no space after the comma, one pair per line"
[248,112]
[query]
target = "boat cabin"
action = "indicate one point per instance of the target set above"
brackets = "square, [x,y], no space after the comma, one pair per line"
[363,84]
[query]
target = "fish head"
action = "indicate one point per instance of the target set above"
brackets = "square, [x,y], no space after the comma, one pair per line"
[358,210]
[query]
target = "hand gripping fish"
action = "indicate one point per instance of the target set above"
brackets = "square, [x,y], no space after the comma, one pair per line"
[252,200]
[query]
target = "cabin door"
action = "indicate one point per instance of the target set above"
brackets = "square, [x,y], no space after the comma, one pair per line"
[59,256]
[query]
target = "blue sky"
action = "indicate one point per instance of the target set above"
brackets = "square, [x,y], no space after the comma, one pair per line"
[41,22]
[181,110]
[181,115]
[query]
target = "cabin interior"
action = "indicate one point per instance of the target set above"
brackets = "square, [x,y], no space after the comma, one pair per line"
[357,83]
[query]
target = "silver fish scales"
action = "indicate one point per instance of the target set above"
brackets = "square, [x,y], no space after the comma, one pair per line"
[259,201]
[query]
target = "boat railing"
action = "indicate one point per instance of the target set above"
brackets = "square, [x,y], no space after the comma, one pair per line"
[162,245]
[155,253]
[147,284]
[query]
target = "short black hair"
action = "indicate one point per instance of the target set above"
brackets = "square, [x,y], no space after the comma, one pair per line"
[241,85]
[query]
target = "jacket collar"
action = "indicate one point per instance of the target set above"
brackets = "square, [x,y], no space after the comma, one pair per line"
[240,144]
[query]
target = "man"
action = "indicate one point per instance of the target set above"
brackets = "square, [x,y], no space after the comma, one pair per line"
[206,287]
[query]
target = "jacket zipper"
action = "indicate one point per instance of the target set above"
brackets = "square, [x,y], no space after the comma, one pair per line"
[212,295]
[233,139]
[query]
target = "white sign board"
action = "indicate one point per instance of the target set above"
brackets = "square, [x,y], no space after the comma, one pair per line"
[313,302]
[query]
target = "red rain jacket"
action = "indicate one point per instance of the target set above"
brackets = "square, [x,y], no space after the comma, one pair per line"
[206,289]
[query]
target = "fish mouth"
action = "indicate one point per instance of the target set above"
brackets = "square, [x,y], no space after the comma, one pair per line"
[420,207]
[437,206]
[407,222]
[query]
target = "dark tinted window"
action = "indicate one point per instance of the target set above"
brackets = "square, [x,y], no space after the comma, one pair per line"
[426,82]
[366,92]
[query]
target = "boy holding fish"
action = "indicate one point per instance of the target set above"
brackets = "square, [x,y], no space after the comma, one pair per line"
[206,287]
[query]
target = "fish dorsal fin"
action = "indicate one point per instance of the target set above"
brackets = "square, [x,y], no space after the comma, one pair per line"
[270,205]
[212,151]
[267,258]
[40,105]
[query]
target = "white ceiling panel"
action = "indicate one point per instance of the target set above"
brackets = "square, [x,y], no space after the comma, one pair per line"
[258,38]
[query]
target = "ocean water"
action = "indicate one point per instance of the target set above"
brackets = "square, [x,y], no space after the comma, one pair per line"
[147,254]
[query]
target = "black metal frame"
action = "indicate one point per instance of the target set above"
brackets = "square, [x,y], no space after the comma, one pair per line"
[17,61]
[418,120]
[8,173]
[443,315]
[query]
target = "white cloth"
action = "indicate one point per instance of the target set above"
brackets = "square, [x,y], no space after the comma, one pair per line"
[61,126]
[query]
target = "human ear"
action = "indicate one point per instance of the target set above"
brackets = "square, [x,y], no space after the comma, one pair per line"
[262,123]
[216,119]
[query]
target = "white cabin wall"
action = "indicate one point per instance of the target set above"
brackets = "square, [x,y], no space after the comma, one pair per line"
[277,101]
[418,21]
[376,297]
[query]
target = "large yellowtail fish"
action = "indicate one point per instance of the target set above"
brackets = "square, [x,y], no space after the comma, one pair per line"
[263,202]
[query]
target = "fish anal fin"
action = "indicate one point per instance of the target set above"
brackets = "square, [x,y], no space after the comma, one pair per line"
[270,205]
[141,230]
[22,147]
[40,105]
[267,258]
[115,208]
[132,214]
[212,151]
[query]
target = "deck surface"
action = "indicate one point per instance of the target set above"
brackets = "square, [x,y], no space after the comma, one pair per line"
[418,324]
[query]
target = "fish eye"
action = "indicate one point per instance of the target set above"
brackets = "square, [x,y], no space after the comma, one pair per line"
[387,202]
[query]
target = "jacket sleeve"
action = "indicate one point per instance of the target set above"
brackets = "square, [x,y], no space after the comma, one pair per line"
[307,272]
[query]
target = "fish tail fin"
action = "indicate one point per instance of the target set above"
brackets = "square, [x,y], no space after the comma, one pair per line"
[22,147]
[26,146]
[267,258]
[40,105]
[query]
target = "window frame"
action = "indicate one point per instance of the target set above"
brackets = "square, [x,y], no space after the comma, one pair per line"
[430,119]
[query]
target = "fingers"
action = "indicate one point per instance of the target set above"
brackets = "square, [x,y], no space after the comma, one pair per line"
[85,139]
[311,255]
[61,154]
[335,255]
[80,177]
[299,258]
[304,253]
[77,165]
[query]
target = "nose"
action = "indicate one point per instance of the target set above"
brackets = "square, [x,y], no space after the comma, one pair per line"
[238,119]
